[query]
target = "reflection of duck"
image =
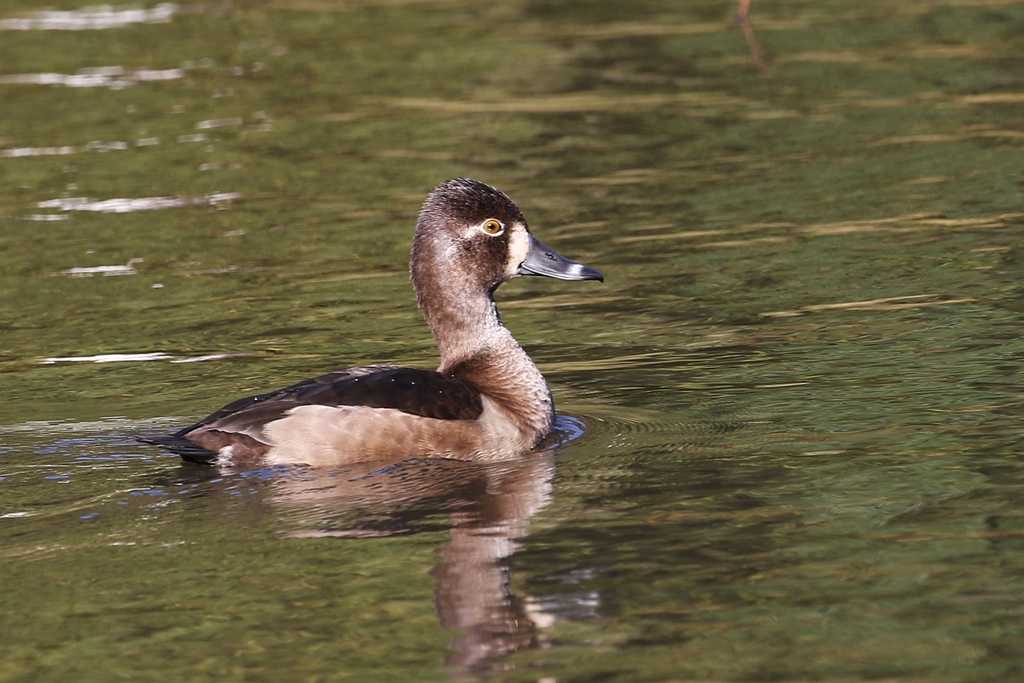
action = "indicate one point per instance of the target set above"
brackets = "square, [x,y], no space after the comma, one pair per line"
[487,400]
[490,505]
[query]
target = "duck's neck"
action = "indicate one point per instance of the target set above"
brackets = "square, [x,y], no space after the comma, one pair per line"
[474,345]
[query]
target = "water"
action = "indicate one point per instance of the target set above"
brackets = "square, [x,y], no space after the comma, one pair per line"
[790,437]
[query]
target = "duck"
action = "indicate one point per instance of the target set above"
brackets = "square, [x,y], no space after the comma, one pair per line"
[487,400]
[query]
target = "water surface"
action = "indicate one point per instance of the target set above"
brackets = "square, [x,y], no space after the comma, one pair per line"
[790,437]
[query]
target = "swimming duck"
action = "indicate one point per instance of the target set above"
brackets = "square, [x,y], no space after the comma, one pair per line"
[487,400]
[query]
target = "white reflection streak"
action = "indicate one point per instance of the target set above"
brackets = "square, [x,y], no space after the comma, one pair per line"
[217,123]
[100,146]
[129,205]
[46,217]
[91,18]
[36,151]
[212,356]
[136,357]
[126,269]
[107,358]
[94,146]
[113,77]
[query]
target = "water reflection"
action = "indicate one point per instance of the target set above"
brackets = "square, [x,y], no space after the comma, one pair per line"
[139,357]
[757,53]
[489,507]
[106,271]
[91,18]
[132,204]
[113,77]
[36,151]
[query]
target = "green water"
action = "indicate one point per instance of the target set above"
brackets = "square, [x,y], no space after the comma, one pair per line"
[790,443]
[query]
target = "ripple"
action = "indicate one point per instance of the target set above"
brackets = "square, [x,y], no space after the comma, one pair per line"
[108,358]
[219,123]
[36,152]
[113,77]
[140,357]
[565,429]
[45,217]
[130,205]
[91,18]
[634,429]
[106,271]
[104,426]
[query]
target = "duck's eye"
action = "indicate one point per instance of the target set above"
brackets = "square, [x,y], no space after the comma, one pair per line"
[492,226]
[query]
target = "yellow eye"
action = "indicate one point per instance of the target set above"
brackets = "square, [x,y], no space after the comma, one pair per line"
[493,227]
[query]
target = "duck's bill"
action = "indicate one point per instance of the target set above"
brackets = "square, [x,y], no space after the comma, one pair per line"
[543,260]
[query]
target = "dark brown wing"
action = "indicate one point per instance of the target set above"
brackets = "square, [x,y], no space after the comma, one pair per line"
[418,392]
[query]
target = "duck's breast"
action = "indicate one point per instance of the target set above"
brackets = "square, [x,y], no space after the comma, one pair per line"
[329,436]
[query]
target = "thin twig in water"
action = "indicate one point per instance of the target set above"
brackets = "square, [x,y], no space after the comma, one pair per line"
[757,54]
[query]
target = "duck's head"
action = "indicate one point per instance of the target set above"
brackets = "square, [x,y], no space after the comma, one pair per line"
[471,236]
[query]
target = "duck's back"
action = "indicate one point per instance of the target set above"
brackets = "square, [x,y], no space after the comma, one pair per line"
[386,400]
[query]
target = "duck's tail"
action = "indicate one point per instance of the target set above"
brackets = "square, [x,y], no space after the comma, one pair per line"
[178,444]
